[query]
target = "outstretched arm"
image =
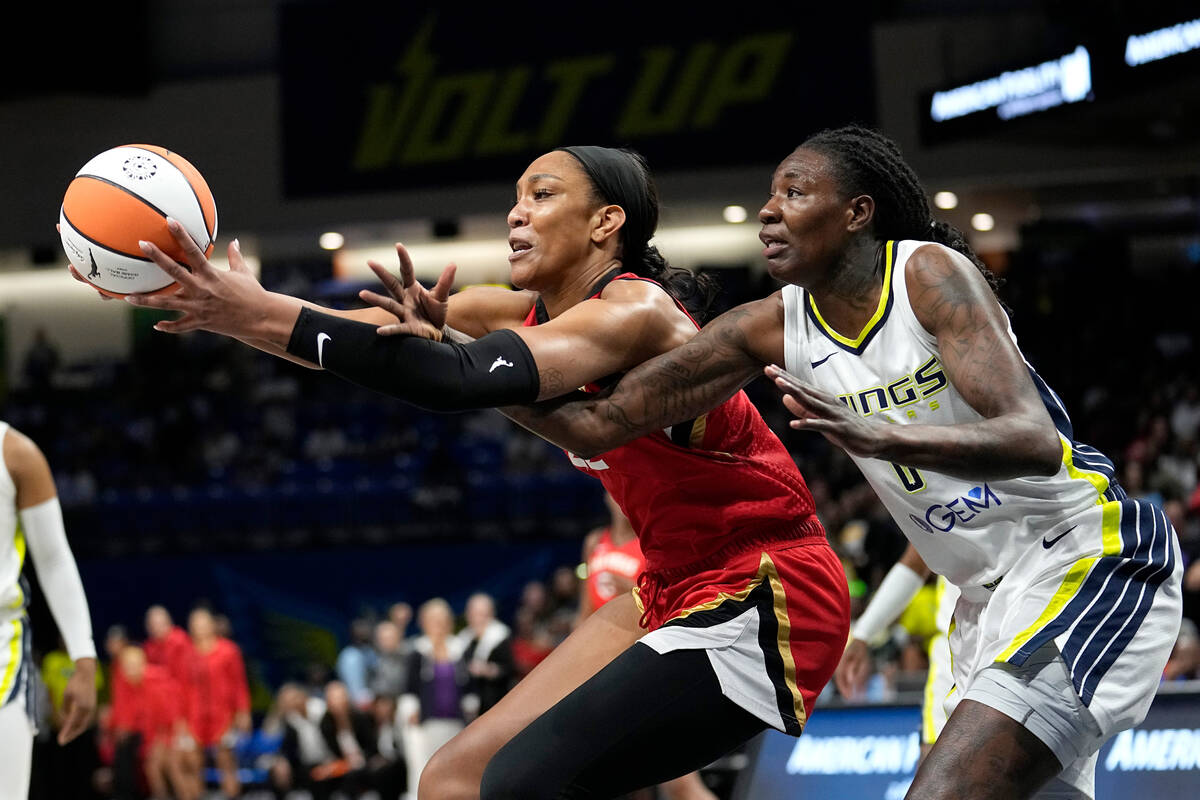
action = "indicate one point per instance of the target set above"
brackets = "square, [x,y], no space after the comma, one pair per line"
[629,322]
[678,385]
[1016,436]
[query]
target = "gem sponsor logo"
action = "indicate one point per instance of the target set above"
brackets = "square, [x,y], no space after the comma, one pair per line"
[855,755]
[943,517]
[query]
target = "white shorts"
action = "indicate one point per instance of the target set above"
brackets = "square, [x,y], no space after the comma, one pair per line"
[1073,641]
[16,728]
[938,684]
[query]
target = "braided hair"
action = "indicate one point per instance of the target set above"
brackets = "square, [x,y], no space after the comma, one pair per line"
[621,177]
[867,162]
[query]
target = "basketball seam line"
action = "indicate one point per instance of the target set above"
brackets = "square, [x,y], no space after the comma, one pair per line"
[150,205]
[102,246]
[188,181]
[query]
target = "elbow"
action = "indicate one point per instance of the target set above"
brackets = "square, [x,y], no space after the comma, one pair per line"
[1049,456]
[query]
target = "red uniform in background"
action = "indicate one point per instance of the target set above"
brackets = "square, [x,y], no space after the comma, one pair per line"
[610,567]
[170,652]
[215,690]
[150,707]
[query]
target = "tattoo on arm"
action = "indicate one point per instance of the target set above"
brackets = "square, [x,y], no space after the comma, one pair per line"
[552,382]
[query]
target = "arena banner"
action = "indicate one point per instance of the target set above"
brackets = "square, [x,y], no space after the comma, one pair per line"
[871,752]
[411,95]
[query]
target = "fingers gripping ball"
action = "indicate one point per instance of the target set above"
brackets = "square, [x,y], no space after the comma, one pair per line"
[125,195]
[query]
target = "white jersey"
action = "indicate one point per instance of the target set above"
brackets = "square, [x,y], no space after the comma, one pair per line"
[12,544]
[969,531]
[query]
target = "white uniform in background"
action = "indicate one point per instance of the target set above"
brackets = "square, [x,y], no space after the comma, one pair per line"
[940,680]
[40,532]
[1047,566]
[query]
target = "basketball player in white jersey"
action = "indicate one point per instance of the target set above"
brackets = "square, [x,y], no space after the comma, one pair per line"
[898,589]
[897,350]
[30,519]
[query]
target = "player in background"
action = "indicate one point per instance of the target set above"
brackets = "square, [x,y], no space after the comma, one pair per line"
[613,560]
[31,519]
[897,350]
[898,588]
[745,602]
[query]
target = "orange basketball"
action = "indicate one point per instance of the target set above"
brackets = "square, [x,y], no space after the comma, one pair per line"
[125,195]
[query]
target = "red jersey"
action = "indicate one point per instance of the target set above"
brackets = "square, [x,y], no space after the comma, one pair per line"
[215,690]
[150,707]
[704,489]
[607,562]
[170,652]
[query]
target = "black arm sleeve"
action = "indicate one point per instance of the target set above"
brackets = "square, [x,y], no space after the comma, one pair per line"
[494,370]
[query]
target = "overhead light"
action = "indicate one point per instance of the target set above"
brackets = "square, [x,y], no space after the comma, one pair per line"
[735,214]
[983,222]
[331,240]
[945,200]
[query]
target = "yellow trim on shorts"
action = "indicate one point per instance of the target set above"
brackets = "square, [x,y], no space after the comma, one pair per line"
[768,572]
[1097,479]
[784,638]
[928,734]
[1111,535]
[879,309]
[14,661]
[19,546]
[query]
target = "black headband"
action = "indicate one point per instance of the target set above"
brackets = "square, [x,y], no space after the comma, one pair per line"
[621,180]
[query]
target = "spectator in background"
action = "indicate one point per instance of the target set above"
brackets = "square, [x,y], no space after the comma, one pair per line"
[41,362]
[355,662]
[388,674]
[531,642]
[144,719]
[303,749]
[217,699]
[487,649]
[400,615]
[167,645]
[563,602]
[352,738]
[437,683]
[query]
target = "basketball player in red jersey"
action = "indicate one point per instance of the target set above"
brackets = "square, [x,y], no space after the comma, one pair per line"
[745,603]
[614,561]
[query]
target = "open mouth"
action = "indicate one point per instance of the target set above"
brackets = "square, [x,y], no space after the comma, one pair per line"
[519,248]
[772,246]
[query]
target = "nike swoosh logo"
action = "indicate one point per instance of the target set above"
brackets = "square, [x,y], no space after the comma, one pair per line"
[816,364]
[1048,543]
[322,338]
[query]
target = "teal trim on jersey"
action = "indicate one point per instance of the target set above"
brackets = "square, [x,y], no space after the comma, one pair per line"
[858,344]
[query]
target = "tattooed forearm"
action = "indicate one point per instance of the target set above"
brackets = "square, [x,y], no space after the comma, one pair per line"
[675,386]
[1016,437]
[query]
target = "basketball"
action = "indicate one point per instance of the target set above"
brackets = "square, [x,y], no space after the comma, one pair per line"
[123,196]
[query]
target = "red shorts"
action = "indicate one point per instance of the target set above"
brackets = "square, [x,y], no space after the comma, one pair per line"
[774,620]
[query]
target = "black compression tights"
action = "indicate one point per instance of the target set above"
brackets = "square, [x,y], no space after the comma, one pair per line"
[642,720]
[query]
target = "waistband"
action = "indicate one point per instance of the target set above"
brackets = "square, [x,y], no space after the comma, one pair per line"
[741,542]
[652,581]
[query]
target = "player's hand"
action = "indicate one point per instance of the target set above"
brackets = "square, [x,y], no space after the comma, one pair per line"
[853,670]
[79,700]
[418,311]
[75,273]
[817,410]
[229,302]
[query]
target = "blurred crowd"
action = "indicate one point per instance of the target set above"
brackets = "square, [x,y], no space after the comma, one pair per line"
[177,719]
